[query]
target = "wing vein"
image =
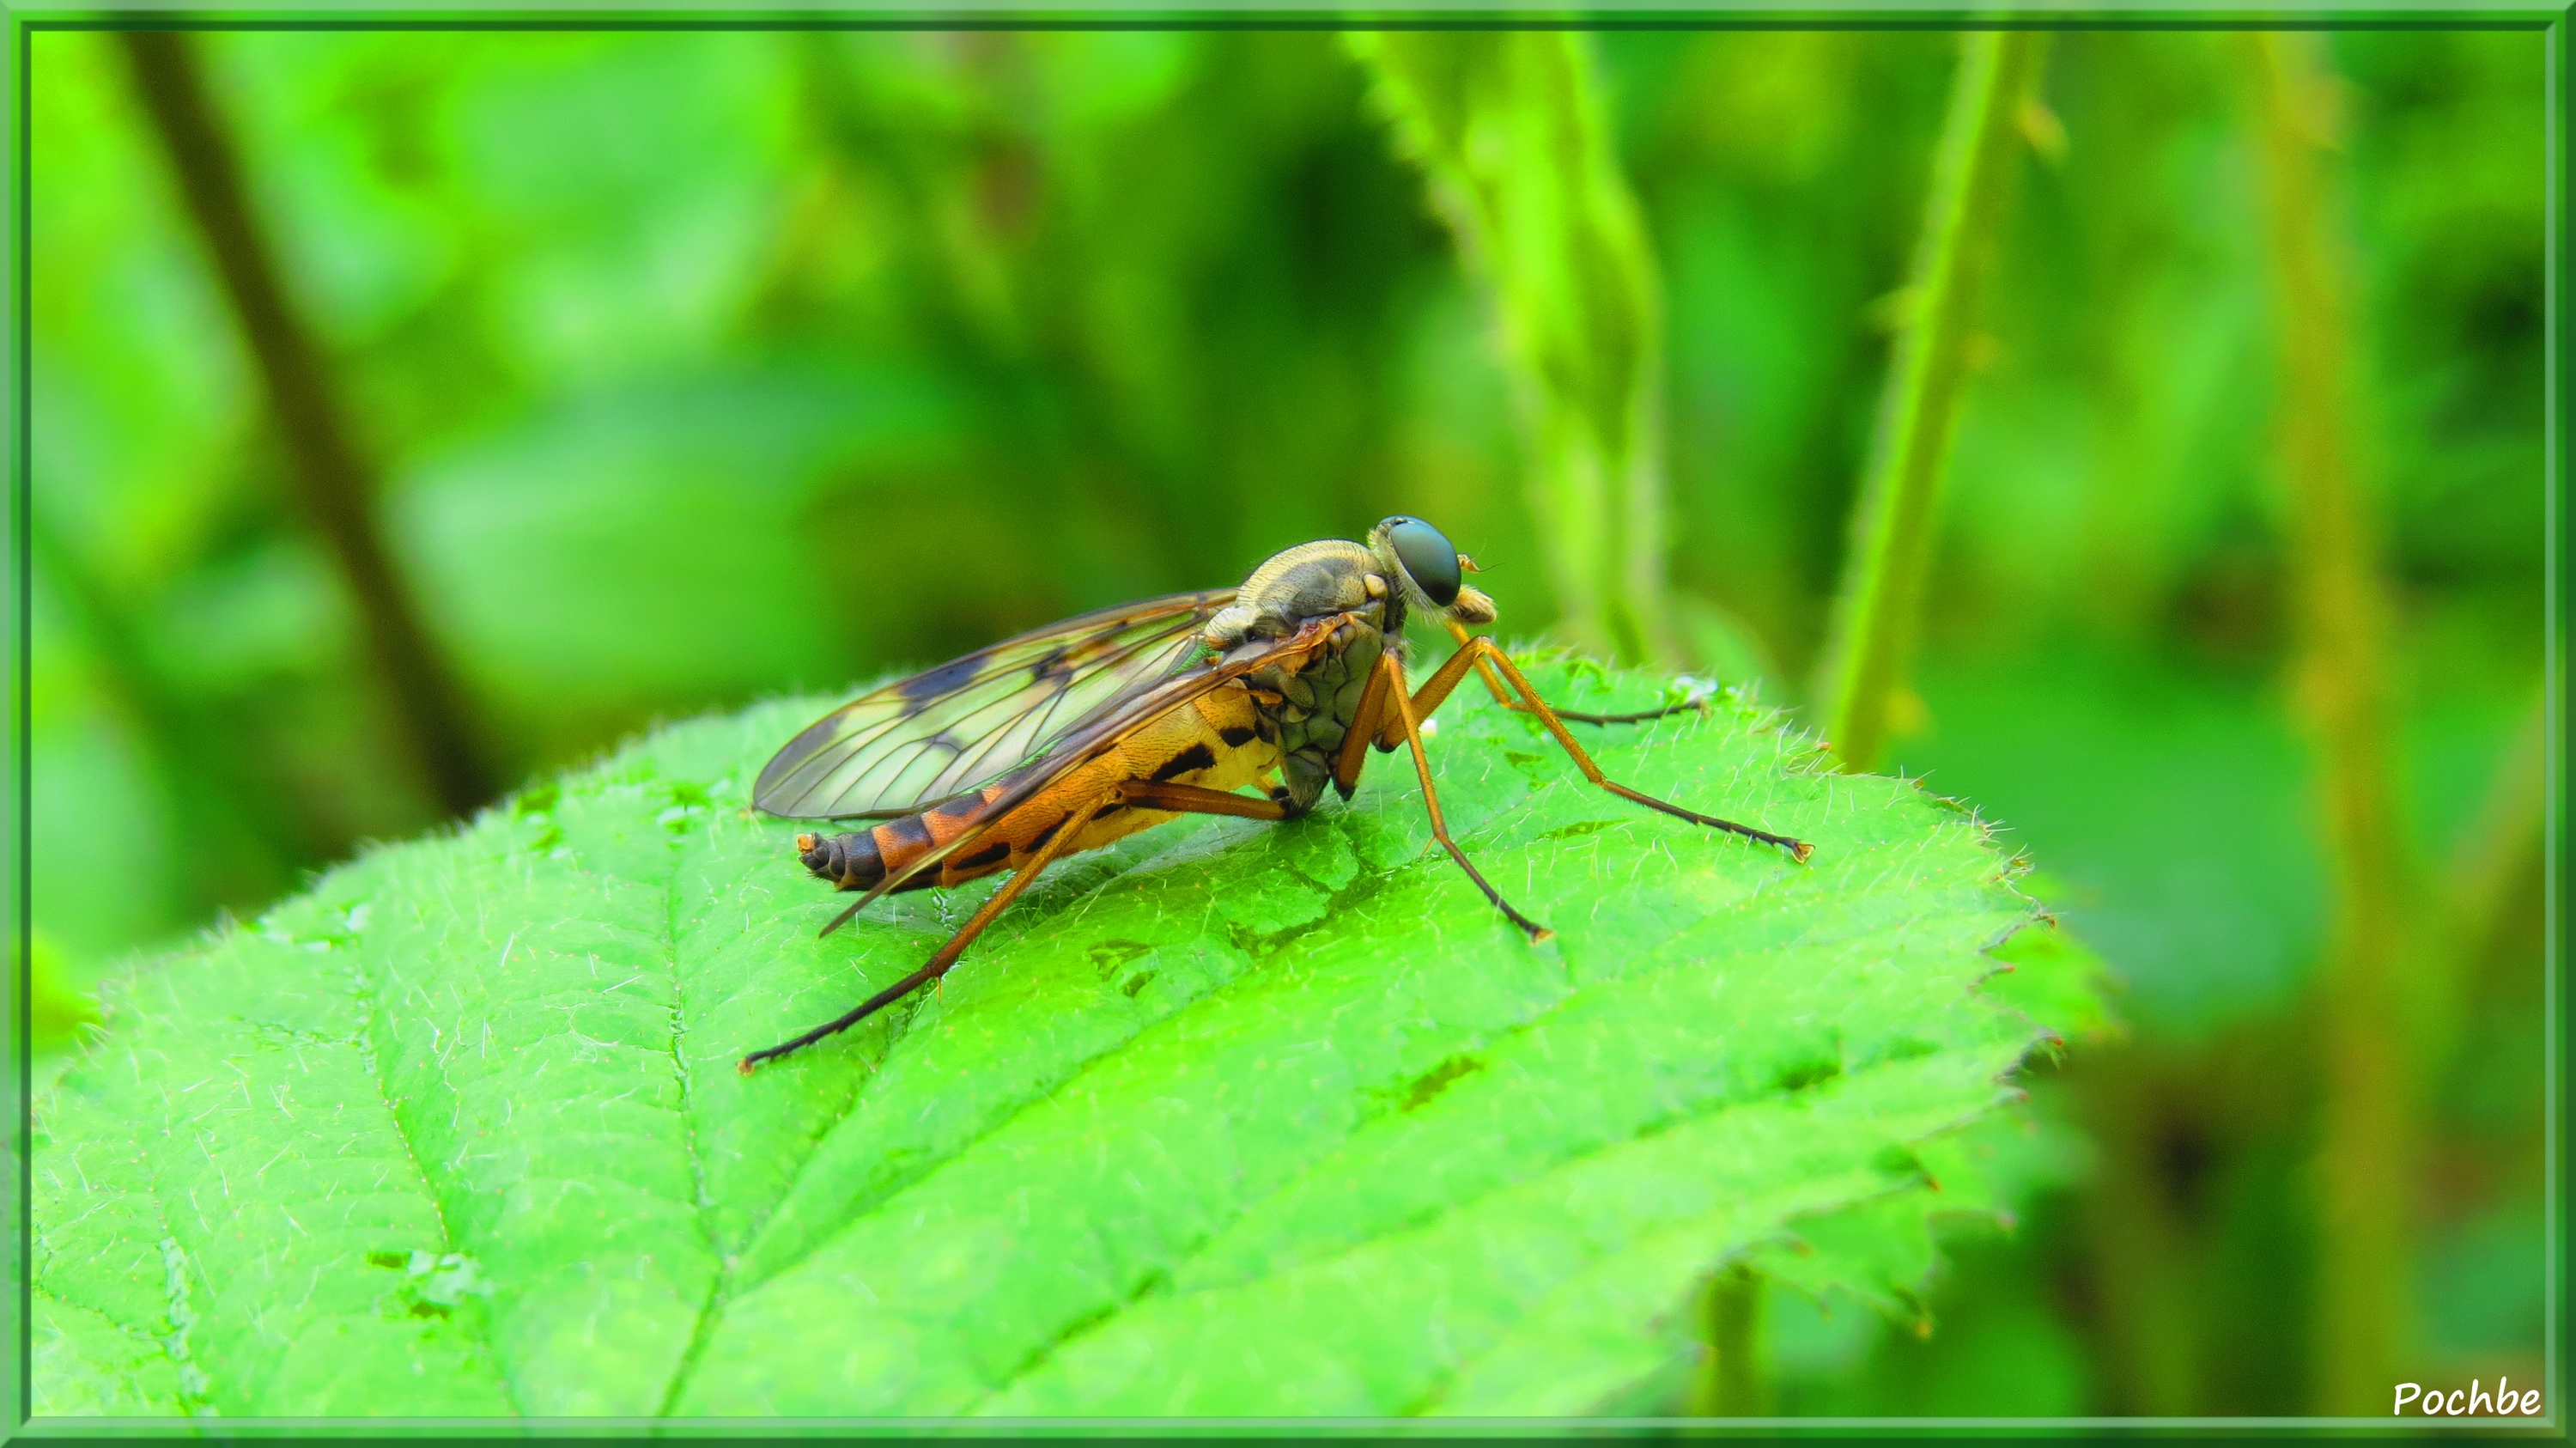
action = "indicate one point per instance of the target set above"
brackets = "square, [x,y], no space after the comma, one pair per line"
[948,731]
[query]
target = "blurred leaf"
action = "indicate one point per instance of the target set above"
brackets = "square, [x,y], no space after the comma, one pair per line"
[57,1007]
[2167,796]
[653,545]
[2000,1352]
[2484,1286]
[1228,1118]
[1884,1252]
[1908,1323]
[2052,978]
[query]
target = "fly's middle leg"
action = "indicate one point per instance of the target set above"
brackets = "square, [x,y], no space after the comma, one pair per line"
[1393,698]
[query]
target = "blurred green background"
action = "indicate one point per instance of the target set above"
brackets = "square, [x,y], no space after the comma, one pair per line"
[702,366]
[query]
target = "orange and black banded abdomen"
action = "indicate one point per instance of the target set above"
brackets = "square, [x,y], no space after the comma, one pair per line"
[1217,741]
[857,861]
[851,862]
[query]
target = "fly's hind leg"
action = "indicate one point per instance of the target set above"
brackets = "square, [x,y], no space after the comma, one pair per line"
[1147,794]
[956,946]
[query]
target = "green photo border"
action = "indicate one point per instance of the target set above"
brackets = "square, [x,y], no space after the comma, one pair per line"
[25,21]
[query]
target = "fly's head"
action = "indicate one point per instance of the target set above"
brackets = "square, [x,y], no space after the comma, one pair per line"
[1420,560]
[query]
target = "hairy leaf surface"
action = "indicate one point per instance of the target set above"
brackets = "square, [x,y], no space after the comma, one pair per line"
[1232,1118]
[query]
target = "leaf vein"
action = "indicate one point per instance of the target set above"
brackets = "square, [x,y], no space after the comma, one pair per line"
[370,1000]
[710,1307]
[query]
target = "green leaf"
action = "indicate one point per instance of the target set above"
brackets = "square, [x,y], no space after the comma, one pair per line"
[1230,1118]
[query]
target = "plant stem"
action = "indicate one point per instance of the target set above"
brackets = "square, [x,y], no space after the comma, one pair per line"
[2143,1261]
[1509,131]
[2505,844]
[336,488]
[1892,532]
[2343,692]
[1734,1382]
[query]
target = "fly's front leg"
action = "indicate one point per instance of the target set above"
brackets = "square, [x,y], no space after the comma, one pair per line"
[1402,707]
[1484,671]
[1494,686]
[1435,691]
[1591,771]
[1367,721]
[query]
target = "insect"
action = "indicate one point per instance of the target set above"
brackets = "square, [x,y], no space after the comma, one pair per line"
[1083,732]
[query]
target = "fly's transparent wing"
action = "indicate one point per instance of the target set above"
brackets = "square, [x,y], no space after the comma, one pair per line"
[1103,731]
[948,730]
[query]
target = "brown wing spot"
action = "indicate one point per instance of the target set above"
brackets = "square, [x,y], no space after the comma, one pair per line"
[1051,666]
[1238,735]
[931,683]
[1098,646]
[1197,756]
[963,807]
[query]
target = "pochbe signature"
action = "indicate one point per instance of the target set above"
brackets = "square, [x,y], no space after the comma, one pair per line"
[2474,1401]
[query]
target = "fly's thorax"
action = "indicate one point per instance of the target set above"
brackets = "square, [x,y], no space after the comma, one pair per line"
[1311,580]
[1309,710]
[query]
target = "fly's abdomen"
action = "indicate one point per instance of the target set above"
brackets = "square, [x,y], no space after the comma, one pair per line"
[855,861]
[1214,741]
[858,860]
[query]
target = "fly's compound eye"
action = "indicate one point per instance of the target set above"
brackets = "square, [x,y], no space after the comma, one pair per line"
[1428,557]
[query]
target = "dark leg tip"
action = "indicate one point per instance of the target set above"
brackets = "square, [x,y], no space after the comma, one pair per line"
[1541,934]
[1800,850]
[745,1065]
